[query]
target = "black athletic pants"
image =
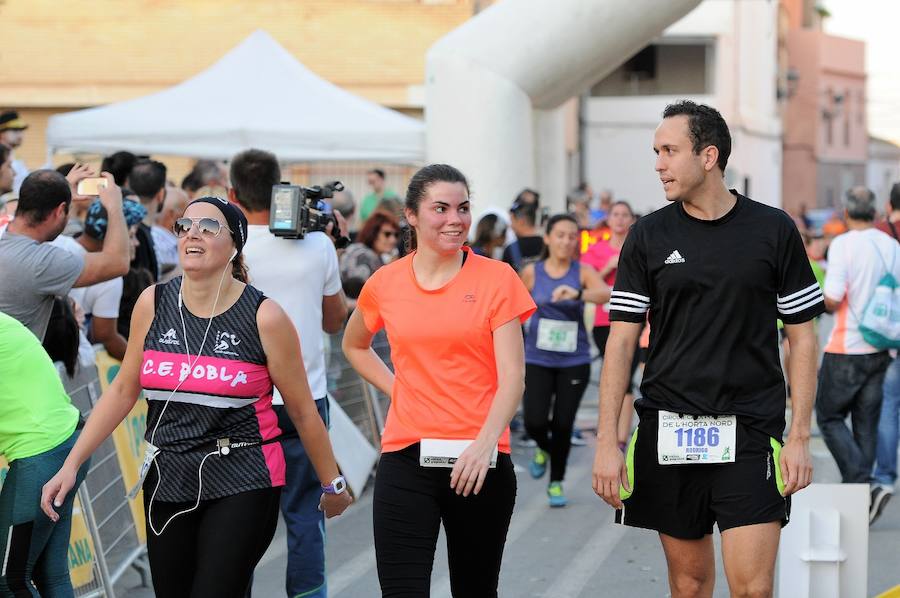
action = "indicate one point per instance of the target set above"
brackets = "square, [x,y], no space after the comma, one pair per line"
[559,390]
[211,552]
[409,504]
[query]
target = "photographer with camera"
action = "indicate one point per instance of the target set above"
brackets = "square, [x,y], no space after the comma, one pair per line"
[302,275]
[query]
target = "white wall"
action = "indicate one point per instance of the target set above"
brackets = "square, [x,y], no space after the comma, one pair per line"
[619,130]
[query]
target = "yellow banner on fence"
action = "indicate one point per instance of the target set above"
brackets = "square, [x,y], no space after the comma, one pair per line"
[128,438]
[81,549]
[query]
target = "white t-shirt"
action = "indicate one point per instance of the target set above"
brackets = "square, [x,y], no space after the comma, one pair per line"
[854,269]
[297,274]
[165,243]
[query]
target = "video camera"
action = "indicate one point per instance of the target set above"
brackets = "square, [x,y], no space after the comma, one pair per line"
[296,211]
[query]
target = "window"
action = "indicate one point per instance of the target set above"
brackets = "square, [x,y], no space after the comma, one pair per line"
[670,67]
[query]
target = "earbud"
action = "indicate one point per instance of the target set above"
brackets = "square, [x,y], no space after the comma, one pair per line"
[233,255]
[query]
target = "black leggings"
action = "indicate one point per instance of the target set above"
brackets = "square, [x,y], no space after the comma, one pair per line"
[562,388]
[409,504]
[601,335]
[211,551]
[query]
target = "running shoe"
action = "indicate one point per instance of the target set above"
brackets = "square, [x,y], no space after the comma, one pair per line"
[525,441]
[556,495]
[879,499]
[577,439]
[538,465]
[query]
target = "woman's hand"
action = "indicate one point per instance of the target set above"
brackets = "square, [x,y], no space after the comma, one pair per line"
[471,468]
[56,490]
[563,292]
[334,504]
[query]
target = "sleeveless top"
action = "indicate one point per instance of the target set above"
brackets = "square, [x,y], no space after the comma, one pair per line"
[227,393]
[556,334]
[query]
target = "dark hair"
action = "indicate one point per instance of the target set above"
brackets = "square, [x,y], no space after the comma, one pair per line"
[61,339]
[42,191]
[147,178]
[526,212]
[705,127]
[484,230]
[551,222]
[119,165]
[4,153]
[239,268]
[191,182]
[65,169]
[860,204]
[522,197]
[253,172]
[372,228]
[895,196]
[133,284]
[377,171]
[418,188]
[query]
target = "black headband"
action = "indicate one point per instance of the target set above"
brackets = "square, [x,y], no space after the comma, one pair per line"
[235,218]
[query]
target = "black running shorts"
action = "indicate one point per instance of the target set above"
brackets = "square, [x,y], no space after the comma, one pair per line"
[684,501]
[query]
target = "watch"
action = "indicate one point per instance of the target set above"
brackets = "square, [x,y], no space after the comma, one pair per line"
[337,486]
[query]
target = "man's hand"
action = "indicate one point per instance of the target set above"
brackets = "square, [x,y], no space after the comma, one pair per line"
[78,173]
[334,504]
[796,465]
[609,473]
[111,195]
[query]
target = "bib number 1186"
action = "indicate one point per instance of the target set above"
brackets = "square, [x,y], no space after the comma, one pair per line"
[698,437]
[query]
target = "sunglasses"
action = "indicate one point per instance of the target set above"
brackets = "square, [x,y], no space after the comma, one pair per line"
[388,233]
[209,227]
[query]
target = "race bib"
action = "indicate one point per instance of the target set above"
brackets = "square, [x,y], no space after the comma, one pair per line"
[686,440]
[560,336]
[435,452]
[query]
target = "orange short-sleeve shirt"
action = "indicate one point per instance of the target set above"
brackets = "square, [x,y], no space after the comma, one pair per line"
[442,346]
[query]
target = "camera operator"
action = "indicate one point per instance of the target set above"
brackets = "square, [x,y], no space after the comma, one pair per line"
[302,275]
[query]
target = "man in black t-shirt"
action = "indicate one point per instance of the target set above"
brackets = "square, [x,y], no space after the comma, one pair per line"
[714,270]
[529,243]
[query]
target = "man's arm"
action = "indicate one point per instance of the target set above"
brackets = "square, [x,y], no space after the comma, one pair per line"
[104,330]
[334,312]
[609,464]
[113,260]
[795,460]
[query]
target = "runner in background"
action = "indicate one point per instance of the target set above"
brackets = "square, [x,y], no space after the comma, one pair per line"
[604,257]
[453,319]
[557,354]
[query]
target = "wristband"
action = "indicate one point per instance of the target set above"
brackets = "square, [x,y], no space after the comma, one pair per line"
[580,293]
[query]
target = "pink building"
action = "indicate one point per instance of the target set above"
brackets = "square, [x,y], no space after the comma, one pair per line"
[825,130]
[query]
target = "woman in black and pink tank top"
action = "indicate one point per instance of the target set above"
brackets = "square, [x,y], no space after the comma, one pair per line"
[207,349]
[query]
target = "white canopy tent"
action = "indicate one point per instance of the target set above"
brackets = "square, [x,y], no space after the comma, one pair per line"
[257,95]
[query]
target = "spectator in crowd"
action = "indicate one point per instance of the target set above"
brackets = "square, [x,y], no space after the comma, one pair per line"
[376,245]
[580,207]
[100,302]
[119,165]
[528,197]
[885,475]
[164,240]
[35,271]
[206,173]
[78,209]
[12,133]
[62,342]
[147,180]
[529,243]
[7,174]
[490,234]
[852,371]
[302,275]
[375,178]
[39,427]
[344,203]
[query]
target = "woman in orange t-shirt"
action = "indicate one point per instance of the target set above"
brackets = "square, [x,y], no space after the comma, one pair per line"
[453,321]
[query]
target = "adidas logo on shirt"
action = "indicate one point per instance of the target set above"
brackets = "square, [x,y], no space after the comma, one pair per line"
[675,258]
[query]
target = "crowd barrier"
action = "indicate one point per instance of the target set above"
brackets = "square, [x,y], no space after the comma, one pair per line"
[108,529]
